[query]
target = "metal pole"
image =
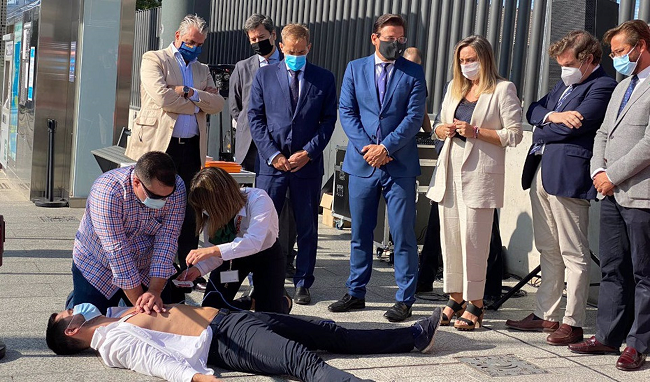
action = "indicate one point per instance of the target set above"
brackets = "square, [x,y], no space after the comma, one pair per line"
[49,201]
[521,41]
[625,13]
[454,36]
[442,54]
[481,17]
[430,55]
[644,10]
[507,37]
[534,53]
[494,25]
[468,18]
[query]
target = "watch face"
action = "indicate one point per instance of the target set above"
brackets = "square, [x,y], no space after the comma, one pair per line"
[186,89]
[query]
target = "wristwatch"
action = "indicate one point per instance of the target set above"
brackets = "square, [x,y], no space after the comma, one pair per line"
[186,91]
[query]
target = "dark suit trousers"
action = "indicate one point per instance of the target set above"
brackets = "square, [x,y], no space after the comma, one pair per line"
[399,194]
[624,294]
[188,162]
[278,344]
[305,196]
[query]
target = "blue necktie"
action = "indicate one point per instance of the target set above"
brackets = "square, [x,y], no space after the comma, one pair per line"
[563,98]
[628,93]
[382,80]
[295,89]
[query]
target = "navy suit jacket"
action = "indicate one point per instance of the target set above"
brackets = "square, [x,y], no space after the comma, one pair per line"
[400,117]
[565,162]
[275,128]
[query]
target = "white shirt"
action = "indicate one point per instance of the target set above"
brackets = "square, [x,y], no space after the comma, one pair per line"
[169,356]
[258,231]
[186,125]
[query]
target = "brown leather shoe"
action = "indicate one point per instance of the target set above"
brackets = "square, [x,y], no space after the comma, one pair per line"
[593,346]
[630,359]
[565,335]
[533,323]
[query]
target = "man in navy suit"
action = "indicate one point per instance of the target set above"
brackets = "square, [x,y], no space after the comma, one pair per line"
[382,106]
[292,114]
[557,172]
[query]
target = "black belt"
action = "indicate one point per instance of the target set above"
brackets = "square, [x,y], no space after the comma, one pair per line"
[218,318]
[182,141]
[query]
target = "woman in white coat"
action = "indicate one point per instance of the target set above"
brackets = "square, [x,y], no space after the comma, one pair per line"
[480,116]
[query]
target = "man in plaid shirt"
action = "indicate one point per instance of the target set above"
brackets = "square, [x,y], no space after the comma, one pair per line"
[128,236]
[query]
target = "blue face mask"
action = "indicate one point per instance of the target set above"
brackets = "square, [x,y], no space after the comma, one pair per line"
[189,54]
[155,204]
[623,65]
[88,310]
[295,62]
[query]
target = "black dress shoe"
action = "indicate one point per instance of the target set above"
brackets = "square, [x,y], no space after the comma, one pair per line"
[346,303]
[398,312]
[3,349]
[302,296]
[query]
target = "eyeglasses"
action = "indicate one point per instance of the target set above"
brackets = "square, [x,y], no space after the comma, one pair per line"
[619,52]
[401,40]
[151,195]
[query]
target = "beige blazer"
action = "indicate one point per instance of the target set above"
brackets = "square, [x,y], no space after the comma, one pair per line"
[153,127]
[483,168]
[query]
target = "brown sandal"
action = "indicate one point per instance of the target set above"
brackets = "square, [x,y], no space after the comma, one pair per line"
[458,309]
[466,324]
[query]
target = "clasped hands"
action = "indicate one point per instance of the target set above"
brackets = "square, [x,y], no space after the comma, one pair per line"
[603,185]
[295,162]
[375,155]
[459,127]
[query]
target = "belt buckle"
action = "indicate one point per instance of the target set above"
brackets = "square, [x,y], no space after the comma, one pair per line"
[180,141]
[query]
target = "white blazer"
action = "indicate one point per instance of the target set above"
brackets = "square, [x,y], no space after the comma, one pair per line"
[483,168]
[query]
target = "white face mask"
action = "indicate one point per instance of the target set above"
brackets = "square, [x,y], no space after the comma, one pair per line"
[571,76]
[471,71]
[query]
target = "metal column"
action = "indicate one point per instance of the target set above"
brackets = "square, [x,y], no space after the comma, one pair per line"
[521,42]
[507,37]
[534,53]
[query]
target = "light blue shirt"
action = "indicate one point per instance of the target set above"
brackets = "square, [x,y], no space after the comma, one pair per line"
[273,58]
[186,125]
[389,67]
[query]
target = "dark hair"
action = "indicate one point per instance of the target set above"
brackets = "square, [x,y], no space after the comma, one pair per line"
[156,165]
[388,19]
[58,341]
[217,192]
[255,20]
[635,30]
[581,42]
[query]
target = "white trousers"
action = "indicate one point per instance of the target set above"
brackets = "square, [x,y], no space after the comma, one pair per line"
[560,227]
[464,235]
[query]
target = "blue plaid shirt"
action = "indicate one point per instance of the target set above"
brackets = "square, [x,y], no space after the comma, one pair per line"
[121,243]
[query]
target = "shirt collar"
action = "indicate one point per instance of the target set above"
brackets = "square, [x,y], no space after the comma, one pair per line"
[380,61]
[644,73]
[275,56]
[242,212]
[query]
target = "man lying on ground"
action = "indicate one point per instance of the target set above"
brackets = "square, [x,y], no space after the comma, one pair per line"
[178,344]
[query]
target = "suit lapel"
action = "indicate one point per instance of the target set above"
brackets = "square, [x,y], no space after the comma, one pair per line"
[393,81]
[635,97]
[307,81]
[369,74]
[482,108]
[176,70]
[281,72]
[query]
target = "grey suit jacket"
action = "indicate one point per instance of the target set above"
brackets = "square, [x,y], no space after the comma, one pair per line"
[240,87]
[622,146]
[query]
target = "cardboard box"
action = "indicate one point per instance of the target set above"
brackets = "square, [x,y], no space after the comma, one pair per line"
[326,203]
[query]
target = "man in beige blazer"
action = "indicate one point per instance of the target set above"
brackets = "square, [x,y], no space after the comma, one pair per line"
[177,94]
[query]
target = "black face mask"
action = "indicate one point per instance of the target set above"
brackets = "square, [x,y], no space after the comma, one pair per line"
[391,50]
[263,47]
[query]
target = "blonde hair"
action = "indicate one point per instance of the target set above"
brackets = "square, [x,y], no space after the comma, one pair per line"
[295,32]
[213,190]
[488,76]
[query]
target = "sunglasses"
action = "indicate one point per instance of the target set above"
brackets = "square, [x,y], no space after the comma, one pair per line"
[151,195]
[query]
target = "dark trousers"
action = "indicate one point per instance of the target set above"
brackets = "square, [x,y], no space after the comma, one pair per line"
[305,197]
[277,344]
[251,161]
[288,233]
[431,255]
[267,268]
[624,294]
[188,162]
[84,291]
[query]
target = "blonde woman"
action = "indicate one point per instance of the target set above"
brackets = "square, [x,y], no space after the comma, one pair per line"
[480,116]
[241,228]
